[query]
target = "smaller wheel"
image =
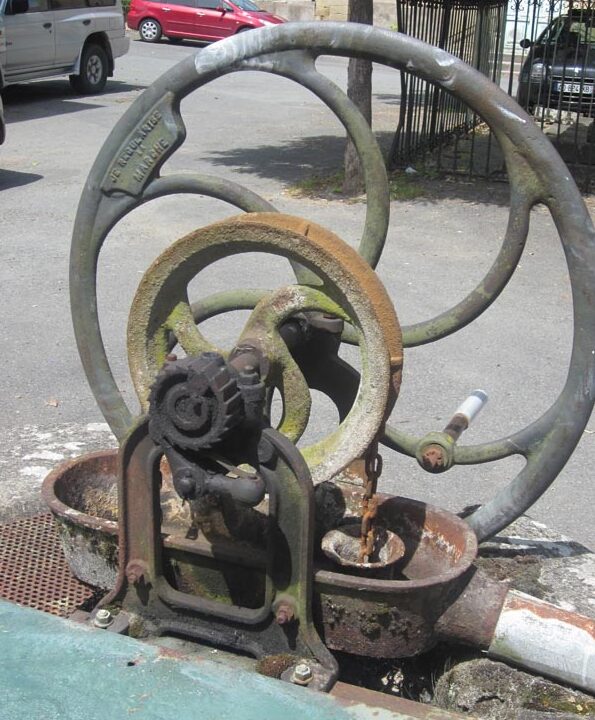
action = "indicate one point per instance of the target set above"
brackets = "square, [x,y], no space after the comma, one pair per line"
[150,30]
[94,70]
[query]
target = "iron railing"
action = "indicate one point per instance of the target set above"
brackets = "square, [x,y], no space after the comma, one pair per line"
[540,51]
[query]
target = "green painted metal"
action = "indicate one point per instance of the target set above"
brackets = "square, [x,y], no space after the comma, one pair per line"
[60,670]
[120,181]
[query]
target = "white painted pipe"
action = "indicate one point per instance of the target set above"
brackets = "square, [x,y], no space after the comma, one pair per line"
[546,639]
[472,405]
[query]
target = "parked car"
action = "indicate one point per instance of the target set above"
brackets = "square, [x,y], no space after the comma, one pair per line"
[44,38]
[207,20]
[2,123]
[559,72]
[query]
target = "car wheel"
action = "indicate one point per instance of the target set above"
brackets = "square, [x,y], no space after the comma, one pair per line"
[244,29]
[93,71]
[150,30]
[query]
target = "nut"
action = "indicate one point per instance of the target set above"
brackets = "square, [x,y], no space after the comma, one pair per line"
[434,458]
[284,614]
[302,674]
[103,618]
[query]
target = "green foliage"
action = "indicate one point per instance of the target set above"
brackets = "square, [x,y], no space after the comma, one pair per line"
[318,186]
[401,186]
[125,7]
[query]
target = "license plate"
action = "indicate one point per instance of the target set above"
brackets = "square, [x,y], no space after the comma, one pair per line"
[575,88]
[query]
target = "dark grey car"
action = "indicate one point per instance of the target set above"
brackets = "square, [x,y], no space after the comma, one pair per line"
[559,71]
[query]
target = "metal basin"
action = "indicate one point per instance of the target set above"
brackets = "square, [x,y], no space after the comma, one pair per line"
[391,615]
[83,497]
[342,545]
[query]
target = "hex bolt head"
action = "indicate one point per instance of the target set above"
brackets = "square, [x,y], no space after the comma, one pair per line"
[103,618]
[302,674]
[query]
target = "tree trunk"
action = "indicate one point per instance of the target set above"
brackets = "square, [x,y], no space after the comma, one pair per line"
[359,90]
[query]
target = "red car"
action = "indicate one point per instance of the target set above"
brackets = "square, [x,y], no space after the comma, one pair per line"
[207,20]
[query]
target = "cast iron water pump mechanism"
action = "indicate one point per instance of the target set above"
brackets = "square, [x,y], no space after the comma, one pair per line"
[294,553]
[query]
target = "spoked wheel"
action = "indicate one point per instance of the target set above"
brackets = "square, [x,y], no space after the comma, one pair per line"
[120,182]
[150,30]
[351,291]
[93,72]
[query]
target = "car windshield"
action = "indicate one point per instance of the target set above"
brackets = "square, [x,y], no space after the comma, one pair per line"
[567,30]
[247,5]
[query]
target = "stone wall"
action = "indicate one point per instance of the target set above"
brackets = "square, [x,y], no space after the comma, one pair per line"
[292,10]
[385,14]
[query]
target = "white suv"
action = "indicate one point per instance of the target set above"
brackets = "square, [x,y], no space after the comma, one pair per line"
[2,125]
[79,38]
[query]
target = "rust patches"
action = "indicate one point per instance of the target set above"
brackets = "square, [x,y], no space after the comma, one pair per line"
[71,482]
[352,291]
[274,666]
[167,653]
[366,278]
[137,572]
[433,458]
[351,695]
[33,570]
[518,601]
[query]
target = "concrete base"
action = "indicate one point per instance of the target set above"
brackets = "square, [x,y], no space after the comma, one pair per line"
[495,691]
[546,565]
[541,562]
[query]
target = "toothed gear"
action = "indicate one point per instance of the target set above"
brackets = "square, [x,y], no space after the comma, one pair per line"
[194,402]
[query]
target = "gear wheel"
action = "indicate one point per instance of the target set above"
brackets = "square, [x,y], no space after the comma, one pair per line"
[194,402]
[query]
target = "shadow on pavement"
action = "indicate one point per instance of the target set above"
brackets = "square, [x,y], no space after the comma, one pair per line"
[388,99]
[186,42]
[290,163]
[11,178]
[54,97]
[322,155]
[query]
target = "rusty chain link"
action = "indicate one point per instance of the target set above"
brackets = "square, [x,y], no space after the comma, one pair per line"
[373,470]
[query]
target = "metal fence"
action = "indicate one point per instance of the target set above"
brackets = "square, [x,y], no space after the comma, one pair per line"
[540,51]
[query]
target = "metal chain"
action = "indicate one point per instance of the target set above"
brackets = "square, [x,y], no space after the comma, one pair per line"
[373,470]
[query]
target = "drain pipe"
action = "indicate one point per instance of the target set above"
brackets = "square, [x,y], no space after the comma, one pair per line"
[547,639]
[522,631]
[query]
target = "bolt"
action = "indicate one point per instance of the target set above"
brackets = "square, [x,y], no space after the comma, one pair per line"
[302,674]
[249,376]
[135,572]
[284,614]
[434,458]
[103,618]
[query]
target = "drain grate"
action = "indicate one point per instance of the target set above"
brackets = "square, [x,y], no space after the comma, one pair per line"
[33,570]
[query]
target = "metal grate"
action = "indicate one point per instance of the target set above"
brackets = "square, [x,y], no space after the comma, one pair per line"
[33,570]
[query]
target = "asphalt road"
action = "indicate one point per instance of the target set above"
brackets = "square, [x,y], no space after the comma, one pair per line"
[267,133]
